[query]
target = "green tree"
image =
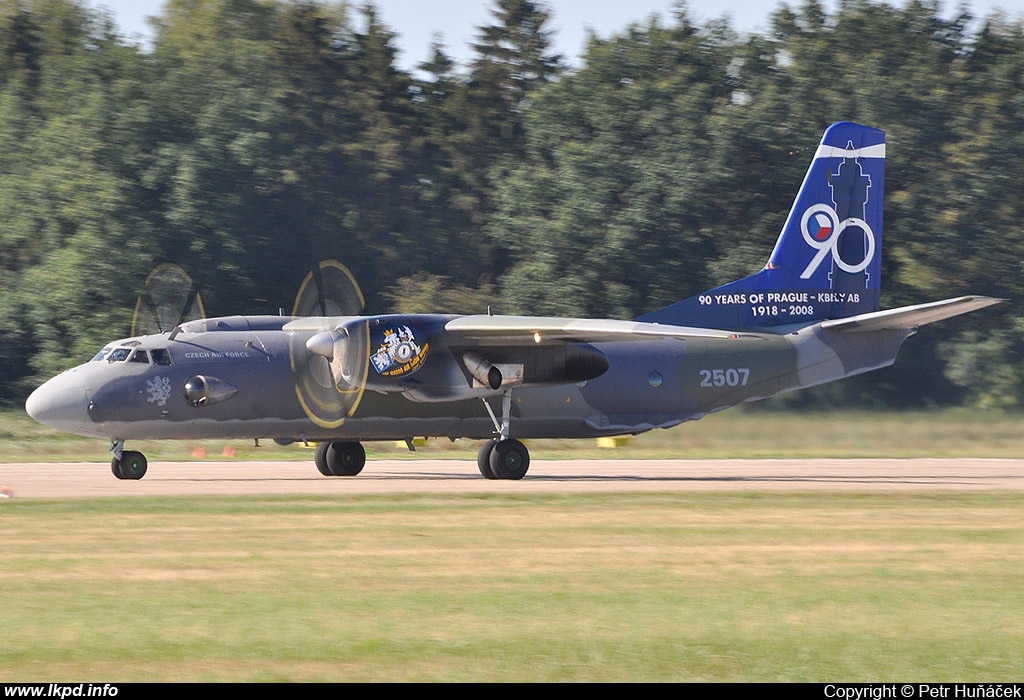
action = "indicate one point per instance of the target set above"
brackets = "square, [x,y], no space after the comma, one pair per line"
[68,251]
[607,215]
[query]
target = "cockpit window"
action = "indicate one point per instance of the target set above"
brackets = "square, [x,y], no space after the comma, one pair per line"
[140,356]
[161,357]
[119,355]
[100,355]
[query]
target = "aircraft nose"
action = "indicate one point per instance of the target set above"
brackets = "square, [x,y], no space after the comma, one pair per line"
[60,403]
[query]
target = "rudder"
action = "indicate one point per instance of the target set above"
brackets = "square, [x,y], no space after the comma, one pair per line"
[827,261]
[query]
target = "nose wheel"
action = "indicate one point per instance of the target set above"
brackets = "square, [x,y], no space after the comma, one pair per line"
[127,464]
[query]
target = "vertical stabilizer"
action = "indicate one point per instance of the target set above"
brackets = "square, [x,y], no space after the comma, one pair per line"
[827,261]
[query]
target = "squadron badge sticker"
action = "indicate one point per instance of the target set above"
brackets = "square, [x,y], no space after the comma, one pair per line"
[398,354]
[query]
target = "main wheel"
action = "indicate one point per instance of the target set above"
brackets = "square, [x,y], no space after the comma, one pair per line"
[348,458]
[509,460]
[321,459]
[340,458]
[483,459]
[132,465]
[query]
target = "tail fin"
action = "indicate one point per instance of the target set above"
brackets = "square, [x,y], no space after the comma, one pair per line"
[827,261]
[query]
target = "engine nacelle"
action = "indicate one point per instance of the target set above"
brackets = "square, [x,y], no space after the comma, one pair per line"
[381,353]
[413,355]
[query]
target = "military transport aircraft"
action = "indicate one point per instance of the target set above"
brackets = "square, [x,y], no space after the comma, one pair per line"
[330,375]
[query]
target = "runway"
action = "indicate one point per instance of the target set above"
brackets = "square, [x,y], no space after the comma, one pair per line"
[88,480]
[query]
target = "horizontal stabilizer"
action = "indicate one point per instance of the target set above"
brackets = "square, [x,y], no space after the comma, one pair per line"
[910,317]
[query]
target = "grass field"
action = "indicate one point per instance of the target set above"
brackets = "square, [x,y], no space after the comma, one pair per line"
[592,587]
[738,433]
[751,586]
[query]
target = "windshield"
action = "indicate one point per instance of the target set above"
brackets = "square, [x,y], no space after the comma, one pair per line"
[119,355]
[160,356]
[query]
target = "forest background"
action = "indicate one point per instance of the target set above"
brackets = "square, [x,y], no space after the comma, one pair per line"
[254,138]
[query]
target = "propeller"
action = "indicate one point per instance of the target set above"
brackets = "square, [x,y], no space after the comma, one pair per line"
[169,301]
[330,377]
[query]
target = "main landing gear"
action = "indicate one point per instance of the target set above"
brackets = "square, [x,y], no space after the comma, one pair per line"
[127,464]
[337,458]
[503,457]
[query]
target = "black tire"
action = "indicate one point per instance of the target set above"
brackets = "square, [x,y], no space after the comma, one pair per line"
[346,458]
[338,458]
[509,460]
[483,459]
[321,459]
[115,467]
[133,465]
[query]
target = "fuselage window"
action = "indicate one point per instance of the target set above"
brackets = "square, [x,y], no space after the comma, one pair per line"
[100,355]
[140,356]
[161,357]
[119,355]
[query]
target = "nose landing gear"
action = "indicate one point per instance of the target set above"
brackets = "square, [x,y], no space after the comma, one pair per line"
[127,464]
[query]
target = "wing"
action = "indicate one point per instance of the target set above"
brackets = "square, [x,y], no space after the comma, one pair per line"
[318,323]
[522,330]
[911,317]
[539,329]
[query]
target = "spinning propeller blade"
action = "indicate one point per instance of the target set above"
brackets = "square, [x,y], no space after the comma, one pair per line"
[330,388]
[170,300]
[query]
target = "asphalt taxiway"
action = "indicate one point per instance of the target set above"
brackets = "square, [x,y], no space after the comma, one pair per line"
[86,480]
